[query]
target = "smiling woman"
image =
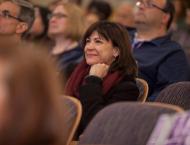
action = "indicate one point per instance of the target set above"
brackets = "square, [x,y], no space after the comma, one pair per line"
[99,50]
[107,74]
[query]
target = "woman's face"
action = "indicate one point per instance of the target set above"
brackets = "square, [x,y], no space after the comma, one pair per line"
[58,23]
[99,50]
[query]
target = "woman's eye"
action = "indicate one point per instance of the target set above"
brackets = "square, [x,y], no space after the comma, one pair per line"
[98,41]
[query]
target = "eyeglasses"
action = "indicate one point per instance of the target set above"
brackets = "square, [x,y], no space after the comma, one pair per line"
[6,14]
[149,4]
[57,16]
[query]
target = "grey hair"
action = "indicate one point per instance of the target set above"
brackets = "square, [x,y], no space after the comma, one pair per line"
[26,13]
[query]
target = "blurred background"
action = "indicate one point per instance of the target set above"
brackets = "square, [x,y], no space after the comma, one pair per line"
[84,2]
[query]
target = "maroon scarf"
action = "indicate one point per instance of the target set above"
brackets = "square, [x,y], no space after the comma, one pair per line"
[81,71]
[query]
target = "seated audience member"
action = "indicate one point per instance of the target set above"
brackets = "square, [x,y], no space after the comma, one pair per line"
[54,3]
[161,61]
[97,10]
[107,75]
[66,27]
[30,106]
[124,14]
[17,17]
[39,29]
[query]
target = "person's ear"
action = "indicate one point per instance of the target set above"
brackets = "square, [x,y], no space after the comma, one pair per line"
[165,18]
[116,52]
[21,28]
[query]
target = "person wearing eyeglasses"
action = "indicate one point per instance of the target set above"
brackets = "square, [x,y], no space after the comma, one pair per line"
[16,18]
[66,27]
[161,61]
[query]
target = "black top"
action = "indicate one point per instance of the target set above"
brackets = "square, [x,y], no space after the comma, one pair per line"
[93,100]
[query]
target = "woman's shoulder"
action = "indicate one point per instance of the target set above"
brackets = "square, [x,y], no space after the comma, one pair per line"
[126,88]
[127,82]
[128,78]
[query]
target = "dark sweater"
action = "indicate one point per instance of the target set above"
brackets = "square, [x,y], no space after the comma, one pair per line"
[68,60]
[93,100]
[161,62]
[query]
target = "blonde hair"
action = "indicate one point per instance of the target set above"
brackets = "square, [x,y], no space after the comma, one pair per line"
[76,20]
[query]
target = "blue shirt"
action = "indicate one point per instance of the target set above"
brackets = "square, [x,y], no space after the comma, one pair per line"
[68,60]
[161,62]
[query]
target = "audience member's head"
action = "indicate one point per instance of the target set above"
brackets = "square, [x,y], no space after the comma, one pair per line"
[66,21]
[16,17]
[124,14]
[54,3]
[115,49]
[30,105]
[39,28]
[97,10]
[154,14]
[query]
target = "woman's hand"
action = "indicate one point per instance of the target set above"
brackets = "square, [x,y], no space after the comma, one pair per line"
[100,70]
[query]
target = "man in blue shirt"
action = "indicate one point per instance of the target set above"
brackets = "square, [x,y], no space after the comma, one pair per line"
[161,61]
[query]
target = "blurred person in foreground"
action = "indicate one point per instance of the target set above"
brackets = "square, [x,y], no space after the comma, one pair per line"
[16,18]
[107,74]
[66,27]
[32,111]
[161,61]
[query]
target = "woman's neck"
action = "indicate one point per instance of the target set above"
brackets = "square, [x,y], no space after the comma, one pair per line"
[63,45]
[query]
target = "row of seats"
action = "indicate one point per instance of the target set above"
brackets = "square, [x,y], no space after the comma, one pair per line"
[176,94]
[117,125]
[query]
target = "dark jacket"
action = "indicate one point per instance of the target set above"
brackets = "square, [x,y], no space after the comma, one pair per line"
[161,62]
[68,60]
